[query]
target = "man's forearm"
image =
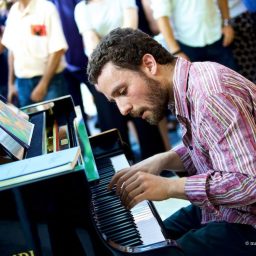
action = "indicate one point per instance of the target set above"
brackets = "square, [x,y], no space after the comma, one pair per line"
[166,30]
[170,160]
[10,69]
[177,188]
[224,10]
[52,65]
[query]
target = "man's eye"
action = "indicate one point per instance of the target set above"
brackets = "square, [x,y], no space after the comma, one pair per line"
[122,92]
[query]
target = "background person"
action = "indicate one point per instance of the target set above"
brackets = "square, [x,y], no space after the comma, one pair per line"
[36,46]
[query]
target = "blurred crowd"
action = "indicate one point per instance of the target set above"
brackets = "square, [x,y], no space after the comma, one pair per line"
[45,47]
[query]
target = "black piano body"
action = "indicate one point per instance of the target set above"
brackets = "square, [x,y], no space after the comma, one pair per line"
[77,204]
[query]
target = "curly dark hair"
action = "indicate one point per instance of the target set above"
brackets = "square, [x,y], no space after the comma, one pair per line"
[125,47]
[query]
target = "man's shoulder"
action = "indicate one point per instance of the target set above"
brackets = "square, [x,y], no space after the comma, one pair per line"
[13,10]
[209,69]
[81,6]
[48,6]
[207,78]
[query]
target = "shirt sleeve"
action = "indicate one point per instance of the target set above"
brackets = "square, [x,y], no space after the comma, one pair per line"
[7,39]
[161,8]
[57,40]
[227,129]
[185,157]
[129,4]
[81,16]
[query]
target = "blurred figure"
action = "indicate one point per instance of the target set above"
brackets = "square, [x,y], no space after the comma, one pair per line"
[112,14]
[251,7]
[146,21]
[148,25]
[193,29]
[3,52]
[36,44]
[244,45]
[75,71]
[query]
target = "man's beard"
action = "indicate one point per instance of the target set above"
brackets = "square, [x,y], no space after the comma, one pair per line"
[157,98]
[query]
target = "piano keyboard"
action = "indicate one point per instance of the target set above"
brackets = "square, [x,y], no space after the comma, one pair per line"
[134,227]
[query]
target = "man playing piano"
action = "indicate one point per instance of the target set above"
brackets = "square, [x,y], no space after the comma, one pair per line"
[216,108]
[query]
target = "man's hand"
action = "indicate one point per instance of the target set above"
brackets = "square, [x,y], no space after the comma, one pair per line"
[12,92]
[39,92]
[144,186]
[150,165]
[141,181]
[228,34]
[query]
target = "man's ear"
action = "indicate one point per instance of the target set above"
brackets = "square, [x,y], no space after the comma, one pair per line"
[149,64]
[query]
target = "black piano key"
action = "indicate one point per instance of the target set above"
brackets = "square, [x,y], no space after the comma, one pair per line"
[98,189]
[104,183]
[113,212]
[108,169]
[105,207]
[121,222]
[123,237]
[105,200]
[117,221]
[125,230]
[106,175]
[127,240]
[122,233]
[102,194]
[109,209]
[124,226]
[122,217]
[100,204]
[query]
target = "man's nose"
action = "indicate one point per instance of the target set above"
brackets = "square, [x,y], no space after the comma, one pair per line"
[125,108]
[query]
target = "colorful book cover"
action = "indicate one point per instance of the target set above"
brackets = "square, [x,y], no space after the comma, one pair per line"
[15,125]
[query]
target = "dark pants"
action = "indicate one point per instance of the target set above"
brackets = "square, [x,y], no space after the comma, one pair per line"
[214,52]
[25,86]
[4,74]
[214,238]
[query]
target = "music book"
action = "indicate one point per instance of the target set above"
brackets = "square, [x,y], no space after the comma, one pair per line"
[15,130]
[15,124]
[38,167]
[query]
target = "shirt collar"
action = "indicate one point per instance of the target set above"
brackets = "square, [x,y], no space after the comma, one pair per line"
[29,9]
[180,86]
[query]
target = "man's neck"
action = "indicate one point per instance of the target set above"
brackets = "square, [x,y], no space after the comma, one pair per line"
[23,4]
[168,73]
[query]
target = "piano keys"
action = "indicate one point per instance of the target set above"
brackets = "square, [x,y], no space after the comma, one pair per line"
[137,231]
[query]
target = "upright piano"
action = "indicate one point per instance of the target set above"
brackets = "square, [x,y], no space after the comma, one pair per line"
[139,231]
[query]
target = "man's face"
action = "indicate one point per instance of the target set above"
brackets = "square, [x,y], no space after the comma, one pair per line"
[134,93]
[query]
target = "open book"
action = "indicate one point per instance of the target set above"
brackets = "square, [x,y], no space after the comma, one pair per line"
[31,169]
[15,131]
[15,124]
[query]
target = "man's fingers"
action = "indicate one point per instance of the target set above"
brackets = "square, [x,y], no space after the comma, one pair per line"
[115,179]
[129,185]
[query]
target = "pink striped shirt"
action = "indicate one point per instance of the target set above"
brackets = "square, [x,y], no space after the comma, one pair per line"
[217,111]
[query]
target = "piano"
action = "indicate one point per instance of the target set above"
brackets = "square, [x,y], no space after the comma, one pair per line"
[139,231]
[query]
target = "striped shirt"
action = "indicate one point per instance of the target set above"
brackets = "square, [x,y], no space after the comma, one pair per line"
[216,108]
